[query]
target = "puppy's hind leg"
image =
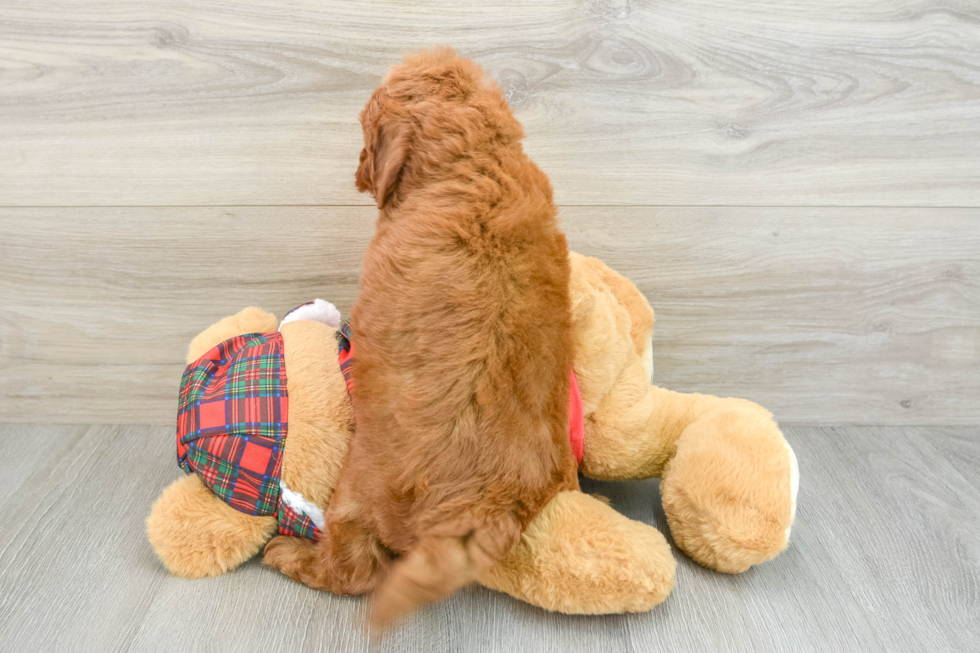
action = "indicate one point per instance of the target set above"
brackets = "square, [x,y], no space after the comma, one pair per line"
[349,559]
[294,556]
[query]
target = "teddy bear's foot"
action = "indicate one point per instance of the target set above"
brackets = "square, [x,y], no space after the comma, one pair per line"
[579,556]
[730,491]
[196,534]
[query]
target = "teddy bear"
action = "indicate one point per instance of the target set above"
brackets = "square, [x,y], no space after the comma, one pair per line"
[728,485]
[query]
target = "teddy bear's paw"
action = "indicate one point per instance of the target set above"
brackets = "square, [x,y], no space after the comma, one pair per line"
[579,556]
[196,534]
[730,491]
[794,486]
[727,538]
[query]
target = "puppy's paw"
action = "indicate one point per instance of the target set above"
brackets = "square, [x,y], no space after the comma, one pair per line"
[294,557]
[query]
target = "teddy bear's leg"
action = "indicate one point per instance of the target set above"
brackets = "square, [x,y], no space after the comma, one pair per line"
[247,320]
[729,491]
[196,534]
[579,556]
[729,477]
[632,432]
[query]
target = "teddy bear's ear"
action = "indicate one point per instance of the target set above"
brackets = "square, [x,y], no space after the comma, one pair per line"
[247,320]
[196,534]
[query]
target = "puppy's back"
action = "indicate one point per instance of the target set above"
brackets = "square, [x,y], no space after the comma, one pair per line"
[462,328]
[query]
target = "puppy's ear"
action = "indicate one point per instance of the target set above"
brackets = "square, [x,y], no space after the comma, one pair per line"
[387,141]
[365,172]
[394,142]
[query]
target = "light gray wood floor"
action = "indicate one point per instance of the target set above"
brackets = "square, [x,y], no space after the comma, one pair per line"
[885,556]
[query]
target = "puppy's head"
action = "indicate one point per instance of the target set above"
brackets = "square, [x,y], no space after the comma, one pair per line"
[420,102]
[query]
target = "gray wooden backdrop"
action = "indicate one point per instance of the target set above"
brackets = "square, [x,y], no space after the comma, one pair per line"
[795,185]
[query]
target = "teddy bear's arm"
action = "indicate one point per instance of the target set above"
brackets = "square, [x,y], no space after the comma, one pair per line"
[729,477]
[579,556]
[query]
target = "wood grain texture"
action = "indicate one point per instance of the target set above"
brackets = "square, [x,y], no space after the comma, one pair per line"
[822,315]
[883,557]
[624,101]
[961,448]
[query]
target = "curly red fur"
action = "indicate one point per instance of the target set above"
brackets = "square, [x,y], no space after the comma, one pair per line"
[462,346]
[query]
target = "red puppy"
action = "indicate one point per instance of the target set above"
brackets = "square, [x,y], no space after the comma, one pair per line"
[461,373]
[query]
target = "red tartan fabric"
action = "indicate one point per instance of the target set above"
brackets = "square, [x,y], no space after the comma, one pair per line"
[232,424]
[576,417]
[295,524]
[346,355]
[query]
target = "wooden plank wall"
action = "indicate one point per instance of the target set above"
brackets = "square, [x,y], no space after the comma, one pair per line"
[795,186]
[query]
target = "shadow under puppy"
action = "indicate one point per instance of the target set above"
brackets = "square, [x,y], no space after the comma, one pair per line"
[461,376]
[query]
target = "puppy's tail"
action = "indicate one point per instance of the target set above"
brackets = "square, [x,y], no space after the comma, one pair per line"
[439,565]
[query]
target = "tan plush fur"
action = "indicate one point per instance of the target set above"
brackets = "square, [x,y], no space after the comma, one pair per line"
[196,534]
[725,465]
[581,556]
[321,421]
[726,484]
[247,320]
[725,491]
